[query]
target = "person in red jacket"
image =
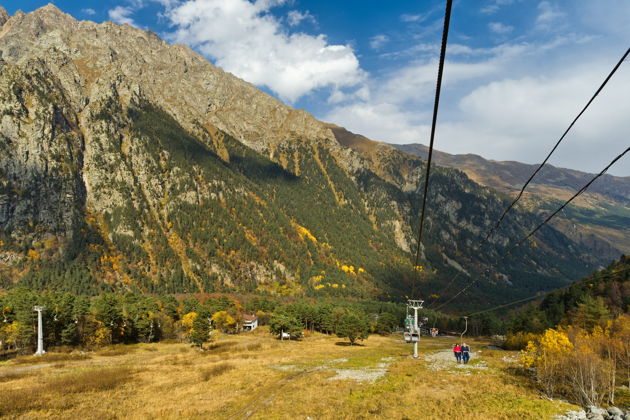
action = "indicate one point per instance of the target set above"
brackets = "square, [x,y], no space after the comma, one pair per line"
[457,350]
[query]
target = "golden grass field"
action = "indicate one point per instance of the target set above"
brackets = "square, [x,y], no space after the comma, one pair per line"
[255,376]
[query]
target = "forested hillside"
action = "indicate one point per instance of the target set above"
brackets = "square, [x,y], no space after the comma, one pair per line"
[597,297]
[127,164]
[599,219]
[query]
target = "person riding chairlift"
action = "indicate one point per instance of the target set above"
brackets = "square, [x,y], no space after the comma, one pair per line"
[465,352]
[457,350]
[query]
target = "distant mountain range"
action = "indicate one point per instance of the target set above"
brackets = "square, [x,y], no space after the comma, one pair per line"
[127,163]
[600,218]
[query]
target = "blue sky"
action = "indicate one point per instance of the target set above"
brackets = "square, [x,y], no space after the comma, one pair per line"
[517,71]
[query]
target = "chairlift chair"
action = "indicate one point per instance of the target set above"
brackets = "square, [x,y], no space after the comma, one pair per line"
[412,336]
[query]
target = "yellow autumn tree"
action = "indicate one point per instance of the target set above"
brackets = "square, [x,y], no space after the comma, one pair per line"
[9,335]
[187,320]
[187,325]
[548,356]
[94,333]
[592,370]
[224,322]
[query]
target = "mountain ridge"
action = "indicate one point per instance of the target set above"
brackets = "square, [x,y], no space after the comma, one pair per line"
[605,202]
[128,163]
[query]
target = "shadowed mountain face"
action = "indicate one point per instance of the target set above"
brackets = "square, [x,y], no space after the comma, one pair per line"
[599,219]
[127,163]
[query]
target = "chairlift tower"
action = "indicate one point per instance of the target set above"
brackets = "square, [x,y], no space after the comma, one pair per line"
[461,336]
[40,331]
[413,336]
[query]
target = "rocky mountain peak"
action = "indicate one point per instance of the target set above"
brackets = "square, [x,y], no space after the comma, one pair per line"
[4,15]
[91,59]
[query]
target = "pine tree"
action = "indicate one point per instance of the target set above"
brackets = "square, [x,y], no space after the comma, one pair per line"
[353,326]
[200,332]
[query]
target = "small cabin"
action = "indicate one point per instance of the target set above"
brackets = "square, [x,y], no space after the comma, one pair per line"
[250,322]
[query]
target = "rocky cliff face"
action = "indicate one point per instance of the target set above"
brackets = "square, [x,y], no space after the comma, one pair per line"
[129,163]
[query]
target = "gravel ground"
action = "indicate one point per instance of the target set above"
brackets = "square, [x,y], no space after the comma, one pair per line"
[444,360]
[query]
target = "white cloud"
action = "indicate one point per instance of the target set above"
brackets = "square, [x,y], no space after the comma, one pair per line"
[501,104]
[381,121]
[521,119]
[413,18]
[500,28]
[494,6]
[89,12]
[121,15]
[245,39]
[489,9]
[549,14]
[378,41]
[295,17]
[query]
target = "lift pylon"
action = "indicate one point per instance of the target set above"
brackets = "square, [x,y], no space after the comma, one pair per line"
[412,333]
[40,331]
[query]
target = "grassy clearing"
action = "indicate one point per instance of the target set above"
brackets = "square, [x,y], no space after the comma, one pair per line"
[12,376]
[257,377]
[58,392]
[216,370]
[49,358]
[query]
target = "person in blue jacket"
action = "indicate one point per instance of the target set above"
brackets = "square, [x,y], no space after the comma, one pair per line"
[465,353]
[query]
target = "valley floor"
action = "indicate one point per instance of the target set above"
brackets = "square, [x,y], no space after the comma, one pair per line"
[254,376]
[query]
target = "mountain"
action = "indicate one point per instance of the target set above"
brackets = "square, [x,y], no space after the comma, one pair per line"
[599,218]
[127,163]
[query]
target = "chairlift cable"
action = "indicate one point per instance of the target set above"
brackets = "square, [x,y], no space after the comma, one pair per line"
[447,19]
[540,295]
[520,194]
[613,71]
[509,251]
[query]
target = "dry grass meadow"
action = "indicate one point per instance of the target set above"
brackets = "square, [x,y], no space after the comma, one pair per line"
[254,376]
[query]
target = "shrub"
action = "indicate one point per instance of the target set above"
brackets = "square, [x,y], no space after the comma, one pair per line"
[579,365]
[519,340]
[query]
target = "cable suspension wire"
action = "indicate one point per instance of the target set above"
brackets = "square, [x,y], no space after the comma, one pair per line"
[520,194]
[447,19]
[509,251]
[570,199]
[540,295]
[495,227]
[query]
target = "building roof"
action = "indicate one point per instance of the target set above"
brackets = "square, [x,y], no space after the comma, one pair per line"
[249,317]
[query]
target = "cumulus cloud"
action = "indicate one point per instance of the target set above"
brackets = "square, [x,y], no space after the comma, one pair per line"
[295,17]
[244,38]
[497,114]
[378,41]
[122,15]
[381,121]
[506,118]
[89,12]
[500,28]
